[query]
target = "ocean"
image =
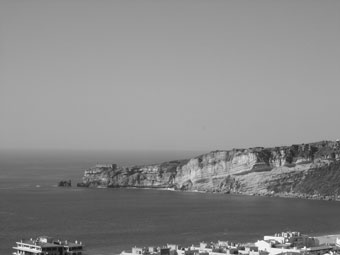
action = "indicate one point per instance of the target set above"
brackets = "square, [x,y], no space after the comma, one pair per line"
[108,221]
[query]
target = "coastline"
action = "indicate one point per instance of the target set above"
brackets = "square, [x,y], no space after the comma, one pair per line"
[295,195]
[308,171]
[268,194]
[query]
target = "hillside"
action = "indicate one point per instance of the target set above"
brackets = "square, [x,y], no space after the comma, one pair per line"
[305,170]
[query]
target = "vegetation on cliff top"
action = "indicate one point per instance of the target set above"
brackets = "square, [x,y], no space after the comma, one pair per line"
[324,181]
[318,181]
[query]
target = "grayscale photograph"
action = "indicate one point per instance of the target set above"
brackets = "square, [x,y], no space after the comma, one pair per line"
[169,127]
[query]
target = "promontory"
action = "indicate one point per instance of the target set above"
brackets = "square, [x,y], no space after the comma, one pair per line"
[301,170]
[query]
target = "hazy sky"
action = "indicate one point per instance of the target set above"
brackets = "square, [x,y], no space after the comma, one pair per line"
[171,75]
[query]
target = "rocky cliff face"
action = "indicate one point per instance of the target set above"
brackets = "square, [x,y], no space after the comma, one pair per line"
[279,170]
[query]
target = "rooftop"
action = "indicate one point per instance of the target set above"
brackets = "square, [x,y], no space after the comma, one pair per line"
[45,241]
[38,243]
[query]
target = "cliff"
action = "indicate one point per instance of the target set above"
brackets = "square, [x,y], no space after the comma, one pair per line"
[311,170]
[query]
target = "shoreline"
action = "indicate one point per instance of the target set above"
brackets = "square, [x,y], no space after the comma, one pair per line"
[269,194]
[293,195]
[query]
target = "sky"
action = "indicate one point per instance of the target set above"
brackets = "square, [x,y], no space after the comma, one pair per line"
[168,75]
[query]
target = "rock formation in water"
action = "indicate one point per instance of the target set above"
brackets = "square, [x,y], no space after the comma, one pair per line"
[311,170]
[64,183]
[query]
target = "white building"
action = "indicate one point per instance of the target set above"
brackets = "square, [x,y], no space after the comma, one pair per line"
[47,246]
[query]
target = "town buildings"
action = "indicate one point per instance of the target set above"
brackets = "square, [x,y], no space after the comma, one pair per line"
[44,245]
[285,243]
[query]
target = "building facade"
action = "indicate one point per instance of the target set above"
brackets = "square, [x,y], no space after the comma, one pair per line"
[47,246]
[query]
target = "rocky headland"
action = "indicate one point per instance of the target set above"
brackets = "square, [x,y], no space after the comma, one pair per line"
[305,170]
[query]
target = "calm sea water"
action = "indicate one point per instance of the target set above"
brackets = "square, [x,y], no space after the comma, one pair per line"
[111,220]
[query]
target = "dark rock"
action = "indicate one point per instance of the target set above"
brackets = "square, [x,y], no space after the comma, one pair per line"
[64,183]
